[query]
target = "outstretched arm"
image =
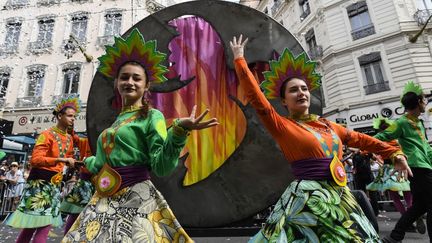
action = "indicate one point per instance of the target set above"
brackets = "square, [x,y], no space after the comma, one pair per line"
[268,115]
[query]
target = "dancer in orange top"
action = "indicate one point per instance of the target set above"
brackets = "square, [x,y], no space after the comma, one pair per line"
[38,209]
[317,206]
[81,193]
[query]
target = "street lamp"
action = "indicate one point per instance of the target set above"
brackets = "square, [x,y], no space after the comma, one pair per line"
[70,47]
[414,38]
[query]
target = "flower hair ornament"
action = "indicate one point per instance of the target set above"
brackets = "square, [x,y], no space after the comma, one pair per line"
[286,67]
[380,120]
[71,101]
[410,86]
[134,48]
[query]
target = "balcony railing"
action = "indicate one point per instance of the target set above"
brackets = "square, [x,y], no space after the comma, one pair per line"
[47,2]
[277,6]
[153,6]
[421,16]
[105,40]
[29,101]
[363,32]
[305,14]
[376,88]
[40,47]
[13,4]
[57,98]
[6,50]
[316,52]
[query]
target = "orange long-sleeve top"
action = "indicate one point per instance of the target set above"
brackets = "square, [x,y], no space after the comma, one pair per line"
[295,141]
[49,146]
[84,148]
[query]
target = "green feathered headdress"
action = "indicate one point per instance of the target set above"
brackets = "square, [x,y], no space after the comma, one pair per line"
[134,48]
[410,86]
[378,121]
[286,67]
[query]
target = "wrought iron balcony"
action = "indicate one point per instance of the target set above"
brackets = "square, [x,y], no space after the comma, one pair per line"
[376,88]
[363,32]
[14,4]
[47,2]
[2,102]
[57,98]
[277,6]
[315,52]
[29,101]
[40,47]
[153,6]
[7,50]
[421,16]
[305,14]
[105,40]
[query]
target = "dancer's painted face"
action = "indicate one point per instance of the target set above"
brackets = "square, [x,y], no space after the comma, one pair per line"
[131,83]
[67,118]
[297,96]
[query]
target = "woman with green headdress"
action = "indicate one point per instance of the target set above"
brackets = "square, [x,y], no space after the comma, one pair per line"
[126,206]
[317,206]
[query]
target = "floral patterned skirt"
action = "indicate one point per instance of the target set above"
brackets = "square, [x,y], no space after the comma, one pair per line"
[38,207]
[134,214]
[386,180]
[316,211]
[75,201]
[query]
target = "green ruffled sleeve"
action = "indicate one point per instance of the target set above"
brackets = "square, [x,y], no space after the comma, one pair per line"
[164,146]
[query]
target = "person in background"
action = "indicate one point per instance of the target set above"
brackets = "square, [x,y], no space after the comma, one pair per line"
[410,134]
[38,209]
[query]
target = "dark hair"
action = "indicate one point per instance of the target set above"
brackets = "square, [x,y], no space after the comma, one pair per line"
[283,87]
[62,111]
[411,100]
[146,102]
[383,125]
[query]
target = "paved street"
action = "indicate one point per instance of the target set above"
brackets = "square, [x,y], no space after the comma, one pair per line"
[386,223]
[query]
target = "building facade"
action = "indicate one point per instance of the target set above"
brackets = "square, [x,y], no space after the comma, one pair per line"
[365,50]
[39,61]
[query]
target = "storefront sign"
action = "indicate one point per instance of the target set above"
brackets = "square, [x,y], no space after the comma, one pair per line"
[34,122]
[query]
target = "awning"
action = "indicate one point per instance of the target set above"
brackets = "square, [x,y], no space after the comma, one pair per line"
[21,139]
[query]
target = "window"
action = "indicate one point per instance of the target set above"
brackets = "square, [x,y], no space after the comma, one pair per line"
[13,30]
[4,81]
[373,75]
[71,77]
[304,8]
[315,51]
[424,4]
[46,28]
[361,23]
[45,36]
[79,26]
[36,77]
[113,23]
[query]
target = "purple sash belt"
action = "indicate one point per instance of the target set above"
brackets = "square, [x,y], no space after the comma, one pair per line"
[85,176]
[41,174]
[132,174]
[312,169]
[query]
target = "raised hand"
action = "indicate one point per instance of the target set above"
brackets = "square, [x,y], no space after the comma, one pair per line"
[237,47]
[401,166]
[194,123]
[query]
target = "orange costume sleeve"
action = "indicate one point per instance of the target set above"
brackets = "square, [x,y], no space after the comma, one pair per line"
[294,140]
[83,146]
[46,150]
